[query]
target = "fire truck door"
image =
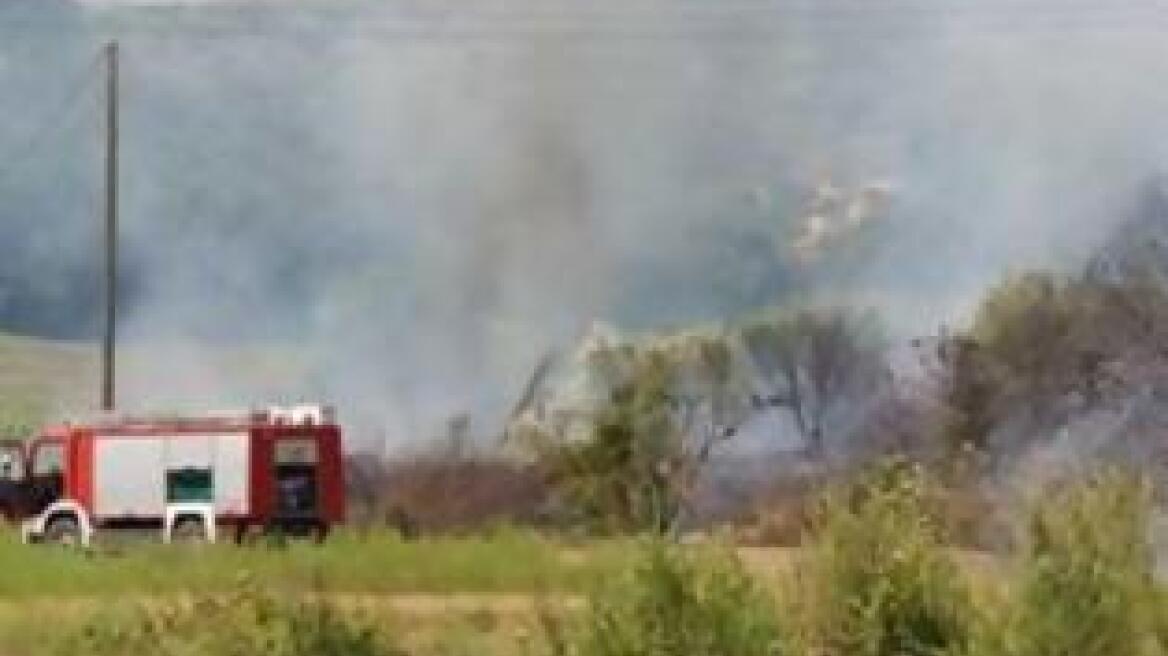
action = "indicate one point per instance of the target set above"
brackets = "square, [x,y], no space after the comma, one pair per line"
[46,473]
[297,493]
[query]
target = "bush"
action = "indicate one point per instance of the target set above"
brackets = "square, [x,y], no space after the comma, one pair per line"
[1085,576]
[674,603]
[246,622]
[432,494]
[878,581]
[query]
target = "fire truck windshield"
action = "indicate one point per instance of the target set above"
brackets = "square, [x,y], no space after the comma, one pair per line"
[11,463]
[47,469]
[296,477]
[48,459]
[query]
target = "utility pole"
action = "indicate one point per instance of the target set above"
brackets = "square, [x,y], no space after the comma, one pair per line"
[108,360]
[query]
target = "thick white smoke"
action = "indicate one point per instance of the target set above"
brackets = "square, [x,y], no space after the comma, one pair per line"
[407,202]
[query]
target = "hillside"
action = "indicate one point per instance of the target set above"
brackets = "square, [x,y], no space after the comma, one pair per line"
[39,377]
[44,380]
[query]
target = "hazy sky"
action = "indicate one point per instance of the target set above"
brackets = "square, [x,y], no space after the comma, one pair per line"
[417,198]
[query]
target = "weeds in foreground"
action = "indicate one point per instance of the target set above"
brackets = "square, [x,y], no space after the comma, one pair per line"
[381,563]
[878,580]
[1084,580]
[676,603]
[246,622]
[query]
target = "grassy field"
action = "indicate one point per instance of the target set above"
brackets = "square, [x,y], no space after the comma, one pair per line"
[449,591]
[443,596]
[466,595]
[381,564]
[437,595]
[39,377]
[875,577]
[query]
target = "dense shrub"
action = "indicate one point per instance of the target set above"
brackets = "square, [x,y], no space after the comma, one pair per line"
[677,603]
[1084,582]
[878,581]
[440,493]
[246,622]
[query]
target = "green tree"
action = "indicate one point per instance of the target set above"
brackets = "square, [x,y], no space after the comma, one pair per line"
[633,450]
[814,363]
[1043,349]
[618,477]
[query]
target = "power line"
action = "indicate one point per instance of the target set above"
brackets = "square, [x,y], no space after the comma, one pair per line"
[60,121]
[723,31]
[299,11]
[743,22]
[625,18]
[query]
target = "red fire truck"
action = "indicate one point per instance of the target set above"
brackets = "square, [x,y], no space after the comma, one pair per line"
[277,470]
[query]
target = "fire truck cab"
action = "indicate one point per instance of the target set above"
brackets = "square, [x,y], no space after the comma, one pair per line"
[188,478]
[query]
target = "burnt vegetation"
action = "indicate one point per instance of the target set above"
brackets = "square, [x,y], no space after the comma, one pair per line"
[674,431]
[1072,364]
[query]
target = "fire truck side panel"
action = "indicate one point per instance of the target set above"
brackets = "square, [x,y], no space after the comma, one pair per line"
[79,470]
[253,474]
[261,491]
[132,473]
[129,477]
[267,454]
[232,460]
[332,476]
[189,451]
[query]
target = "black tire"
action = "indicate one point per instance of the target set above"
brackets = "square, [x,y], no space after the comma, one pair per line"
[243,535]
[63,530]
[320,533]
[276,536]
[188,530]
[279,535]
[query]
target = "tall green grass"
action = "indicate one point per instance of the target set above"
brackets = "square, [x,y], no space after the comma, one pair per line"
[1083,583]
[245,622]
[505,561]
[878,580]
[673,602]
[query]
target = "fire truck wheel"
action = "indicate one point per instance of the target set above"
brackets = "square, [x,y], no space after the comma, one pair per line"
[189,530]
[248,535]
[275,537]
[63,530]
[320,533]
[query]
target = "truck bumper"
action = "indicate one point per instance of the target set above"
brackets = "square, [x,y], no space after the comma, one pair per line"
[30,532]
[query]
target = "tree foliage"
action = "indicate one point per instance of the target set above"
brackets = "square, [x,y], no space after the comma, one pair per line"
[654,411]
[815,364]
[618,477]
[1044,349]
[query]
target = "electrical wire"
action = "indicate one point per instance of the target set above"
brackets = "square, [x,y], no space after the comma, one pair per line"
[730,20]
[60,121]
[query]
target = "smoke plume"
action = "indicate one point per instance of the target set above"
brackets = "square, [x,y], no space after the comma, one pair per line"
[400,206]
